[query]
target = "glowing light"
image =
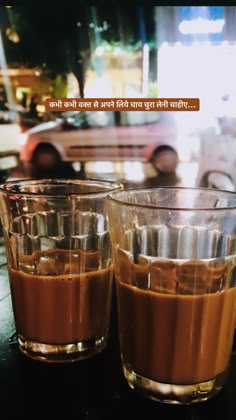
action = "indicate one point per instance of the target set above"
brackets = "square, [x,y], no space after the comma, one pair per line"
[99,51]
[40,108]
[12,35]
[117,51]
[201,26]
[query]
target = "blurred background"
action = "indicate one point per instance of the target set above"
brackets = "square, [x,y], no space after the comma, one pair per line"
[140,51]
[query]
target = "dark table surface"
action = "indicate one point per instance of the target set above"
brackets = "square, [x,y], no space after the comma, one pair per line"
[91,389]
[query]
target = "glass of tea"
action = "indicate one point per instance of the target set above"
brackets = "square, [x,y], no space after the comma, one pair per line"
[59,262]
[174,253]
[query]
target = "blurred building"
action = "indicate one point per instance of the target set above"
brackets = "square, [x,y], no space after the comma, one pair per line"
[197,54]
[25,83]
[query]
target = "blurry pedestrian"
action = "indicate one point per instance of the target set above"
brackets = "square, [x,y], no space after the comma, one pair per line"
[33,106]
[24,100]
[3,104]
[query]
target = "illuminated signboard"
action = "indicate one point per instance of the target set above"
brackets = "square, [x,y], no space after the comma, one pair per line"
[201,23]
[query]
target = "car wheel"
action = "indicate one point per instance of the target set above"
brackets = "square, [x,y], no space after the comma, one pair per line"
[46,158]
[165,159]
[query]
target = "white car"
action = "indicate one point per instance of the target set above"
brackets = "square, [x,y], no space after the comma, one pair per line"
[84,137]
[9,148]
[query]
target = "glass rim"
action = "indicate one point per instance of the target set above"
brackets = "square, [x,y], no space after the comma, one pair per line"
[114,197]
[100,187]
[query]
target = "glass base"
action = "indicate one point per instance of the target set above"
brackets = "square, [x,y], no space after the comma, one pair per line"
[174,393]
[61,353]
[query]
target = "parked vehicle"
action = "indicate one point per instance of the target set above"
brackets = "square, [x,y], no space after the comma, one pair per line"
[217,166]
[9,149]
[9,161]
[94,136]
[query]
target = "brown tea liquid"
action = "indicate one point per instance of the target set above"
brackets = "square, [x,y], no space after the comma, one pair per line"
[61,308]
[176,319]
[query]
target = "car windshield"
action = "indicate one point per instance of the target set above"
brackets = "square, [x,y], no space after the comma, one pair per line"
[96,119]
[86,119]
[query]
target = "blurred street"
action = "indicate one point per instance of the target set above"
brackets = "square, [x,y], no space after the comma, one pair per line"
[131,174]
